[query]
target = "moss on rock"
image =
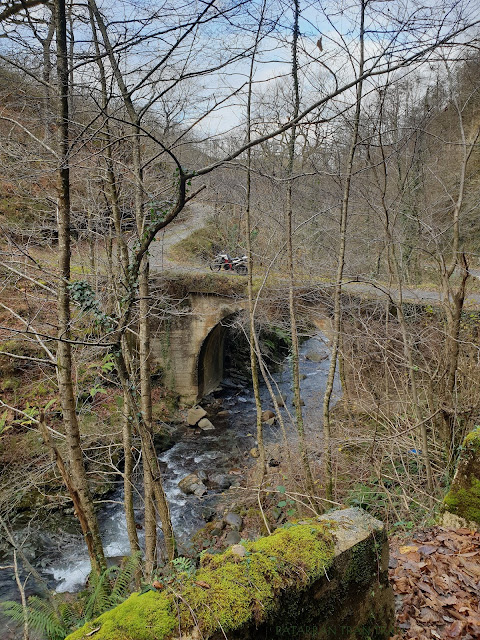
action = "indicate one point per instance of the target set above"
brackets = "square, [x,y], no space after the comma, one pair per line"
[141,617]
[463,499]
[241,589]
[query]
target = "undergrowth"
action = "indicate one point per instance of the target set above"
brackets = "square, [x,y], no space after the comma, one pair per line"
[58,616]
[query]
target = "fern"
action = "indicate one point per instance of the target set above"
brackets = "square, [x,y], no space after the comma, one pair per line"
[183,565]
[41,617]
[98,600]
[112,587]
[104,592]
[123,582]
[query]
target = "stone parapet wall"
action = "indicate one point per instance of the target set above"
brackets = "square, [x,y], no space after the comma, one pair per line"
[318,579]
[461,505]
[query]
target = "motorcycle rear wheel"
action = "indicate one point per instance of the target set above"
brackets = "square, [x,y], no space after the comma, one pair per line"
[241,270]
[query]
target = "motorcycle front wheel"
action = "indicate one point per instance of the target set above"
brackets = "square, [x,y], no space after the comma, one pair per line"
[215,266]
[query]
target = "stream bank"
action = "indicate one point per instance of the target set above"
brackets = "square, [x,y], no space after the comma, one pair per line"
[57,549]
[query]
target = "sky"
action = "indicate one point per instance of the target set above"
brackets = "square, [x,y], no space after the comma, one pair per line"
[136,31]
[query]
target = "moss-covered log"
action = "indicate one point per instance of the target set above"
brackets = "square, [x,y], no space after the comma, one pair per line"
[315,579]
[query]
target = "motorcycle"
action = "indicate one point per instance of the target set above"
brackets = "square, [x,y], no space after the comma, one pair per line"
[240,265]
[224,262]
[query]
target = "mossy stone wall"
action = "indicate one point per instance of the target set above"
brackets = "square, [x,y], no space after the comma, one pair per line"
[462,502]
[319,579]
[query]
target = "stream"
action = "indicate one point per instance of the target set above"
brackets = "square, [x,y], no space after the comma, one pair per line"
[61,555]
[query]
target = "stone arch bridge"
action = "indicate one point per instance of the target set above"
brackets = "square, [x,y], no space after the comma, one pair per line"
[189,347]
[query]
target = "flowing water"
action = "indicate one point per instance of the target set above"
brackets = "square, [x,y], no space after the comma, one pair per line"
[61,555]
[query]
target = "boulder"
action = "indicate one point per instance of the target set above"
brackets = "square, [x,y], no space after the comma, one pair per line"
[220,481]
[233,520]
[281,399]
[186,484]
[239,550]
[217,527]
[232,537]
[268,415]
[316,356]
[254,452]
[205,425]
[199,489]
[195,414]
[208,513]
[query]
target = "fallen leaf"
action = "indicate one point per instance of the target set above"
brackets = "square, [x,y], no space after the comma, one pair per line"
[426,549]
[441,582]
[426,587]
[408,549]
[427,615]
[447,600]
[455,629]
[471,567]
[402,585]
[415,629]
[201,583]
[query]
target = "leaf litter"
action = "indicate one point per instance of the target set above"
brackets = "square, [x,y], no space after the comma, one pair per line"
[436,582]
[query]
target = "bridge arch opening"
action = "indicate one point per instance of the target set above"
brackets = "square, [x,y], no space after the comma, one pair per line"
[212,358]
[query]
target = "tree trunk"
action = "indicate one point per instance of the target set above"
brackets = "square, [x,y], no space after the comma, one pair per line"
[64,354]
[337,313]
[251,307]
[149,458]
[146,407]
[291,283]
[127,478]
[153,482]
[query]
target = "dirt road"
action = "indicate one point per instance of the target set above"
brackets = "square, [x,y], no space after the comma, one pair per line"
[194,217]
[409,294]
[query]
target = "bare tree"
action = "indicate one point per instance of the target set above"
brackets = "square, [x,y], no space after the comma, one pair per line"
[337,312]
[64,353]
